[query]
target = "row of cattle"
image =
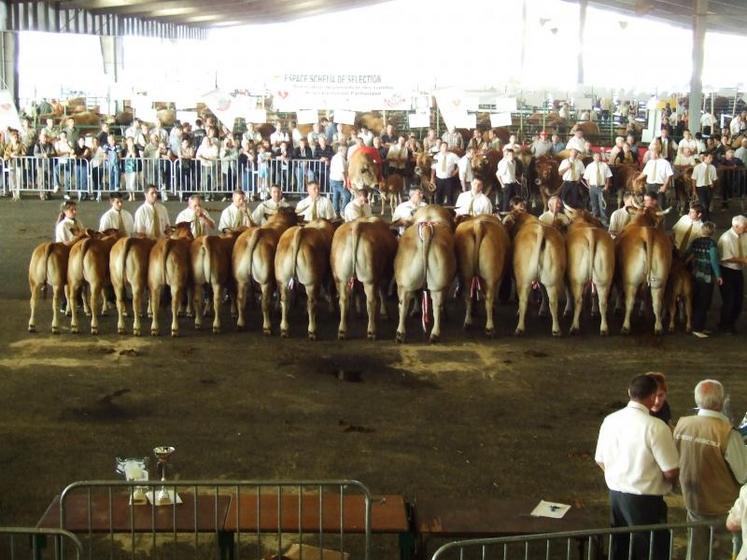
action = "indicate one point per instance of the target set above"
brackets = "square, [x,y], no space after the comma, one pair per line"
[425,260]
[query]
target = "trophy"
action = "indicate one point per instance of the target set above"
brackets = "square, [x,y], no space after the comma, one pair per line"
[163,453]
[134,469]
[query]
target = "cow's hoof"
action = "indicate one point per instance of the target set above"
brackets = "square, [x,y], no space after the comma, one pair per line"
[467,326]
[658,332]
[87,313]
[55,330]
[198,326]
[126,314]
[625,330]
[573,330]
[32,329]
[74,330]
[94,330]
[688,330]
[490,333]
[399,338]
[312,336]
[68,313]
[543,313]
[122,331]
[434,338]
[174,333]
[567,313]
[519,332]
[267,332]
[240,328]
[671,330]
[341,335]
[604,332]
[154,332]
[594,313]
[557,333]
[149,315]
[371,335]
[135,332]
[283,333]
[216,330]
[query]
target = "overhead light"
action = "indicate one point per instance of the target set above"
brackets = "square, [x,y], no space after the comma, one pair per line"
[174,11]
[202,18]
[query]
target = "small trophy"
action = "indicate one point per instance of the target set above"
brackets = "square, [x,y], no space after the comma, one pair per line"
[134,469]
[163,453]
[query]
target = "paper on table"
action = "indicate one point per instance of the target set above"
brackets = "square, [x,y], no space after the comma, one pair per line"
[143,496]
[550,509]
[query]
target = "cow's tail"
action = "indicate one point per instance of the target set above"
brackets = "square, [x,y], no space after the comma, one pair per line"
[253,241]
[295,248]
[165,259]
[207,257]
[592,239]
[355,235]
[478,231]
[39,270]
[123,259]
[648,240]
[537,252]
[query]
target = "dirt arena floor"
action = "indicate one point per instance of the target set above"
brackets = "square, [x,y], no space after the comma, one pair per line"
[470,418]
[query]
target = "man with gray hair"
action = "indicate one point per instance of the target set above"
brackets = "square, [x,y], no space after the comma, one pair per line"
[732,250]
[713,465]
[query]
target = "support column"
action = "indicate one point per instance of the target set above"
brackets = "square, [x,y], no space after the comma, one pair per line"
[696,80]
[582,5]
[112,55]
[9,69]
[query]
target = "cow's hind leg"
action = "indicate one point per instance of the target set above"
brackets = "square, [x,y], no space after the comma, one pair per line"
[523,292]
[312,296]
[468,304]
[155,303]
[95,292]
[137,308]
[342,295]
[241,291]
[603,294]
[630,291]
[437,299]
[74,290]
[36,290]
[657,297]
[195,305]
[578,299]
[405,298]
[177,293]
[372,300]
[552,297]
[490,291]
[119,295]
[285,302]
[217,295]
[57,291]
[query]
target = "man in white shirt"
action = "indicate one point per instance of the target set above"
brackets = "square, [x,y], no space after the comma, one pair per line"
[236,215]
[668,145]
[637,453]
[597,175]
[554,215]
[279,136]
[684,158]
[707,123]
[338,170]
[704,178]
[453,139]
[151,219]
[444,174]
[396,157]
[577,142]
[506,174]
[732,250]
[658,173]
[465,169]
[315,206]
[541,146]
[404,213]
[359,207]
[620,217]
[473,202]
[688,142]
[268,207]
[117,217]
[366,135]
[572,192]
[687,228]
[200,221]
[735,125]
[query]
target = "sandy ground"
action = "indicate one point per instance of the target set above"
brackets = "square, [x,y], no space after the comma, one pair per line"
[468,418]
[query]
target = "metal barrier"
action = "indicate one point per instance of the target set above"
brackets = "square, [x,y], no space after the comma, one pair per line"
[322,514]
[622,542]
[732,183]
[32,543]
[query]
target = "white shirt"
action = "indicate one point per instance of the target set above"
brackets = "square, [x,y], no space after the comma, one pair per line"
[680,229]
[692,143]
[465,169]
[707,119]
[657,171]
[469,204]
[234,217]
[144,220]
[110,220]
[397,156]
[618,220]
[406,210]
[738,516]
[337,167]
[735,126]
[597,173]
[704,174]
[635,448]
[576,143]
[682,160]
[279,136]
[731,245]
[574,170]
[265,209]
[188,215]
[506,171]
[321,208]
[367,137]
[444,164]
[541,147]
[352,211]
[66,229]
[550,219]
[351,150]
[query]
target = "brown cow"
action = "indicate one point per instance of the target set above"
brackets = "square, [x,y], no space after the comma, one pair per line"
[482,249]
[539,258]
[624,179]
[362,250]
[363,170]
[88,263]
[423,164]
[684,188]
[49,266]
[253,260]
[168,265]
[644,256]
[547,179]
[303,257]
[680,287]
[425,261]
[210,257]
[484,166]
[128,263]
[591,262]
[391,191]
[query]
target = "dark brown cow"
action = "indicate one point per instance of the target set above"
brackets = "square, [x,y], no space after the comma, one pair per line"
[128,264]
[547,179]
[624,179]
[684,189]
[484,166]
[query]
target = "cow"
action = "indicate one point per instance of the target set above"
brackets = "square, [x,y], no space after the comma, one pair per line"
[644,256]
[128,264]
[364,170]
[168,265]
[482,249]
[423,164]
[48,265]
[210,257]
[624,179]
[680,287]
[591,262]
[683,187]
[425,260]
[253,260]
[484,166]
[546,178]
[362,251]
[391,190]
[302,256]
[539,257]
[88,263]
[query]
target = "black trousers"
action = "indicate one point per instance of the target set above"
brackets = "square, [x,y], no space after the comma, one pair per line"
[704,196]
[627,510]
[702,296]
[732,294]
[510,190]
[661,197]
[446,190]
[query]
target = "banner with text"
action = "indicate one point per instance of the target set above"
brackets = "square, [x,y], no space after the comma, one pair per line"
[355,92]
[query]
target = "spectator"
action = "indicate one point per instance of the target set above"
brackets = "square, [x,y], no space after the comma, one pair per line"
[263,172]
[661,409]
[640,462]
[229,158]
[62,168]
[324,153]
[685,158]
[554,215]
[687,142]
[301,156]
[571,170]
[668,146]
[713,465]
[208,154]
[737,520]
[97,163]
[707,123]
[703,253]
[557,145]
[658,173]
[43,154]
[542,146]
[465,169]
[313,136]
[131,166]
[732,248]
[631,141]
[732,177]
[389,137]
[397,156]
[337,177]
[741,152]
[453,139]
[117,217]
[620,217]
[366,135]
[279,135]
[577,142]
[82,155]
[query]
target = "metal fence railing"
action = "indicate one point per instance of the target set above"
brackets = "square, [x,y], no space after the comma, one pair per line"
[17,543]
[645,542]
[235,519]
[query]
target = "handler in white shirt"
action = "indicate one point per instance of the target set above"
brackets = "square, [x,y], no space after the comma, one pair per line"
[405,212]
[687,228]
[704,178]
[268,207]
[597,175]
[151,219]
[200,221]
[236,215]
[658,173]
[620,217]
[465,169]
[315,206]
[506,175]
[554,215]
[359,207]
[473,202]
[117,217]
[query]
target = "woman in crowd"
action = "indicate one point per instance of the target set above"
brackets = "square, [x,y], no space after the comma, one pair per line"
[661,408]
[703,253]
[131,165]
[82,161]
